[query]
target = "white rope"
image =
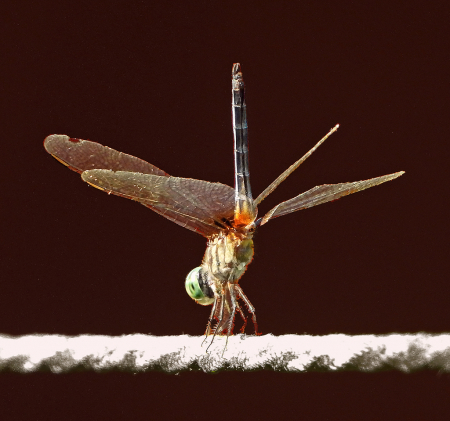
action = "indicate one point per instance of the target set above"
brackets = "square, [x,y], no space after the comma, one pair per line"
[302,353]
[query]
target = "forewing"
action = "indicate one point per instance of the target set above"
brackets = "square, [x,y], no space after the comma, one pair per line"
[325,193]
[197,205]
[81,155]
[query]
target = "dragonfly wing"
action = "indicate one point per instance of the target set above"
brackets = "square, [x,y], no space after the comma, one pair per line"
[197,205]
[325,193]
[81,155]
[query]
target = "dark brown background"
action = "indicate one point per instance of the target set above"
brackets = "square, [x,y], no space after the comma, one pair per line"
[153,80]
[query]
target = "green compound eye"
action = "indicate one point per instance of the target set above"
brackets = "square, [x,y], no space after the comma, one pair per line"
[197,288]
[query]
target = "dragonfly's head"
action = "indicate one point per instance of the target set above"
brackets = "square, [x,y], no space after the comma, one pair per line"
[198,288]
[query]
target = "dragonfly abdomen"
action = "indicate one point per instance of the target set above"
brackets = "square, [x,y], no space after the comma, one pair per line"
[244,213]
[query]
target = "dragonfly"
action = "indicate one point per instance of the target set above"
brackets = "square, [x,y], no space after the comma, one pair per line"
[226,216]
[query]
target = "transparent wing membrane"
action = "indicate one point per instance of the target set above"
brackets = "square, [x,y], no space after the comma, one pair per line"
[292,168]
[325,193]
[197,205]
[81,155]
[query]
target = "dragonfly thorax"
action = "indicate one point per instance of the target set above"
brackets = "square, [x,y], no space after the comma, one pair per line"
[227,256]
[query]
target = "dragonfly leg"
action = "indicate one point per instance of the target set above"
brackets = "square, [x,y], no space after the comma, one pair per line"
[222,300]
[238,307]
[249,305]
[211,317]
[231,313]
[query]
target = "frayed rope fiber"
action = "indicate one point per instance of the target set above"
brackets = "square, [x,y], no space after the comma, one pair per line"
[173,354]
